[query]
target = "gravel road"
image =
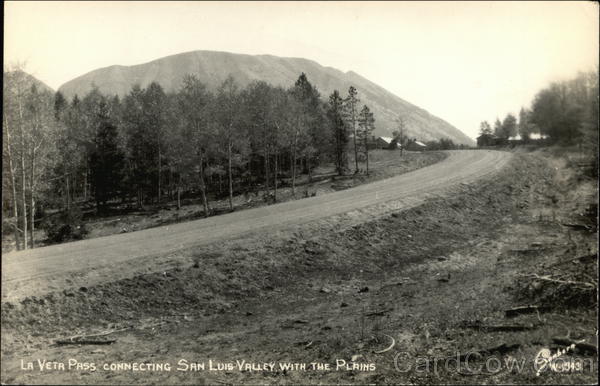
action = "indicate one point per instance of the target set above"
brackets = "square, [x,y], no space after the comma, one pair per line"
[463,166]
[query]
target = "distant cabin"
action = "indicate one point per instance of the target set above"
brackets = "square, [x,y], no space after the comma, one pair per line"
[416,146]
[488,140]
[381,142]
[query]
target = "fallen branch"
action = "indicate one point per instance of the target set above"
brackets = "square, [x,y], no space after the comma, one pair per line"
[582,347]
[527,251]
[379,313]
[578,227]
[566,282]
[84,341]
[389,347]
[580,258]
[494,328]
[78,339]
[523,310]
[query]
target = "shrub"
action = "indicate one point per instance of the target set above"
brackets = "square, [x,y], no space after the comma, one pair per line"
[64,226]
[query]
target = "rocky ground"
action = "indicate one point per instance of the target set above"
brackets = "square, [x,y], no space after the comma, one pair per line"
[491,275]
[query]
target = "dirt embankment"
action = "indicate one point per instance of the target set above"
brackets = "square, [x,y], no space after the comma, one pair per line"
[437,278]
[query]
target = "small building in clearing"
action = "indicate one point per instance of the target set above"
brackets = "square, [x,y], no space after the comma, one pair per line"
[381,142]
[488,140]
[415,146]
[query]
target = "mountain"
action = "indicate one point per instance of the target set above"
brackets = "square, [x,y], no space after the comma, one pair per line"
[213,67]
[28,80]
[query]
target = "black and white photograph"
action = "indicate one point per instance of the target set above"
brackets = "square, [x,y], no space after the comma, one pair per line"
[300,192]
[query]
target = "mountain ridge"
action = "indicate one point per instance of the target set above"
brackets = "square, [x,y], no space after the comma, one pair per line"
[30,79]
[212,67]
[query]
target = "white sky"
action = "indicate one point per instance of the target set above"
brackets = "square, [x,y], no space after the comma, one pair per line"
[462,61]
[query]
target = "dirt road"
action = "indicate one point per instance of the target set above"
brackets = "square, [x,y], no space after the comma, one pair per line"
[437,278]
[410,189]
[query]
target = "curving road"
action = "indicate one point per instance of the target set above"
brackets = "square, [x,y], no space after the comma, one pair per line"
[459,167]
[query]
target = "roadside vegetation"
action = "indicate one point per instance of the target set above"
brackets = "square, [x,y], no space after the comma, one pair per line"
[564,114]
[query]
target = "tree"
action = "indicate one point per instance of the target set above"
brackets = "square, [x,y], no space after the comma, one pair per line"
[30,135]
[94,112]
[556,114]
[525,126]
[441,144]
[233,142]
[303,109]
[106,164]
[313,121]
[498,128]
[194,141]
[42,142]
[12,99]
[509,127]
[339,131]
[398,135]
[73,147]
[60,105]
[485,128]
[102,147]
[259,102]
[140,153]
[351,114]
[154,119]
[67,150]
[366,124]
[284,118]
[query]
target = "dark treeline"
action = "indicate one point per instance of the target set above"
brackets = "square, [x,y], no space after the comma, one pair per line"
[152,146]
[445,144]
[563,113]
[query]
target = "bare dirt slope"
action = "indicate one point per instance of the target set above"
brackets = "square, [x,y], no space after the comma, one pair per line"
[26,272]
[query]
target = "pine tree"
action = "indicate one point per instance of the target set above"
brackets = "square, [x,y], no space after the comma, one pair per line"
[139,162]
[351,114]
[154,111]
[313,120]
[106,164]
[339,131]
[366,124]
[60,105]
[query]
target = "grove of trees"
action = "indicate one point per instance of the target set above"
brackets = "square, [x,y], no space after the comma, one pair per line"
[151,146]
[565,112]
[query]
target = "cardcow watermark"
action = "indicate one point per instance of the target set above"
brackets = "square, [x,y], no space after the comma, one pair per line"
[474,364]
